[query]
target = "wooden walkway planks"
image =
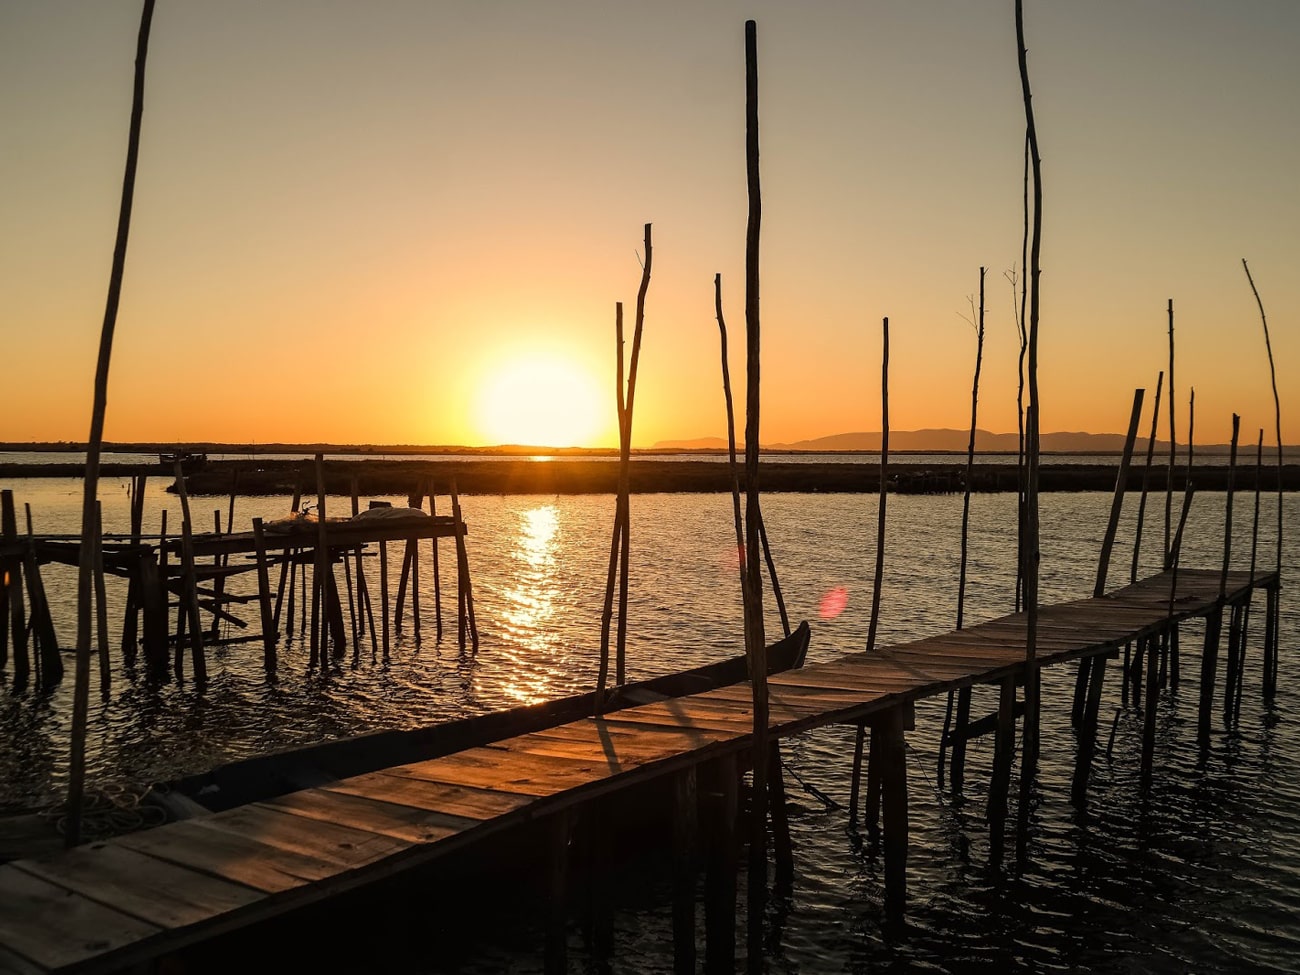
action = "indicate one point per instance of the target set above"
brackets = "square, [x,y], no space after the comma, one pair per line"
[106,905]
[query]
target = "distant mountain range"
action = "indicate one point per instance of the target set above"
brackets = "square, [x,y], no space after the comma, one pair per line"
[939,441]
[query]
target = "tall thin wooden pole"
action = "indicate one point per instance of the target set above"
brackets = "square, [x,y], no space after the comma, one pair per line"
[970,456]
[1117,500]
[755,641]
[884,487]
[1173,442]
[1146,479]
[1277,407]
[1021,472]
[95,442]
[1029,757]
[616,539]
[625,450]
[731,440]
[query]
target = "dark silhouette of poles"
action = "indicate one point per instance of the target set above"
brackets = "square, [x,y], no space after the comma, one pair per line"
[755,640]
[1271,628]
[95,442]
[619,550]
[1029,757]
[964,694]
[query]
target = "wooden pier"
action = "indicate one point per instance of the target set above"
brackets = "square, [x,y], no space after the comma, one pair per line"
[141,896]
[178,595]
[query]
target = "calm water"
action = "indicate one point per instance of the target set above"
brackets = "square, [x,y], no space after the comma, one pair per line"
[1204,877]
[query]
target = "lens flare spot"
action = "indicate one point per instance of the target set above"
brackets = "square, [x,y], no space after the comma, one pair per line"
[833,603]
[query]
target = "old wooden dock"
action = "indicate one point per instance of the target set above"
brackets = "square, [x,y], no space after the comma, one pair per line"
[141,896]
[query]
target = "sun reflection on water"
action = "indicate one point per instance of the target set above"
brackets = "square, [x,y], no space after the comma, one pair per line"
[531,606]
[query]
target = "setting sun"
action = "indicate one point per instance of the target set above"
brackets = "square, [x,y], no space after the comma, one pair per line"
[542,401]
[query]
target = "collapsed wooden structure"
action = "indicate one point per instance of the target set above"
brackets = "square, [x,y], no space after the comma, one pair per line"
[179,595]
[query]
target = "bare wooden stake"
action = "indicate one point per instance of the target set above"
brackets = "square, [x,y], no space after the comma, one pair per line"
[101,603]
[94,446]
[755,641]
[884,488]
[269,635]
[1146,480]
[1173,444]
[1107,545]
[685,841]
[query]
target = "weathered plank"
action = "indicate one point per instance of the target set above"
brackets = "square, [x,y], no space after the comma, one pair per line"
[54,927]
[155,891]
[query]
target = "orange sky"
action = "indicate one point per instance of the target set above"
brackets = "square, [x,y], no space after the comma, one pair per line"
[360,222]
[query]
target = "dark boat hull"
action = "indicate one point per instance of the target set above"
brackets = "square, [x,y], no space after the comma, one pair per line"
[264,777]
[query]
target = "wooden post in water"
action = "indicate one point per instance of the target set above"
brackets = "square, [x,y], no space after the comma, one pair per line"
[131,618]
[875,764]
[269,635]
[721,803]
[189,584]
[49,663]
[1088,731]
[437,570]
[884,488]
[1146,479]
[1271,642]
[383,597]
[893,753]
[101,602]
[1173,445]
[321,567]
[855,779]
[1029,757]
[1107,545]
[17,608]
[465,586]
[94,445]
[1149,720]
[1255,549]
[1214,621]
[557,893]
[965,532]
[685,829]
[1000,782]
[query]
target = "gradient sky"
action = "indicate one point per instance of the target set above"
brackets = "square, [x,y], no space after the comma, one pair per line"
[354,221]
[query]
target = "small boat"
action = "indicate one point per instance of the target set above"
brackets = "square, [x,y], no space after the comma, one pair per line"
[190,461]
[268,776]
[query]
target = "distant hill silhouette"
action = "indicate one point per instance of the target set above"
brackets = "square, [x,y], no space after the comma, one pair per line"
[938,441]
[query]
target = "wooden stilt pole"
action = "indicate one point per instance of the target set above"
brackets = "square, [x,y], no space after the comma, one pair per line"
[1088,733]
[269,635]
[189,584]
[383,594]
[1209,667]
[437,570]
[17,608]
[1149,722]
[1235,613]
[1000,783]
[893,753]
[875,765]
[720,874]
[94,445]
[782,844]
[48,659]
[101,602]
[464,583]
[558,894]
[958,774]
[855,781]
[1107,545]
[685,826]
